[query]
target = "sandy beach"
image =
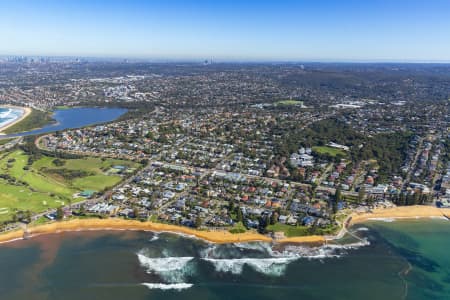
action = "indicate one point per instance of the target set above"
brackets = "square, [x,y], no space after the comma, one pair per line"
[11,236]
[26,113]
[401,212]
[221,237]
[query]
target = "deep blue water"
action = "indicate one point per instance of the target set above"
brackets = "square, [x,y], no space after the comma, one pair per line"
[401,260]
[75,118]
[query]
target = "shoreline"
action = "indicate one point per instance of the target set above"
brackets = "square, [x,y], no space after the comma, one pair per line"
[222,237]
[400,212]
[217,237]
[25,114]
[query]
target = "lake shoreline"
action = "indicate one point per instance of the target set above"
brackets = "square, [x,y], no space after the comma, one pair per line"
[71,118]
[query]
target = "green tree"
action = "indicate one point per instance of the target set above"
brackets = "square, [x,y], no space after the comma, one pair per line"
[27,216]
[361,194]
[198,222]
[82,210]
[239,215]
[59,213]
[231,206]
[273,218]
[135,212]
[334,206]
[338,194]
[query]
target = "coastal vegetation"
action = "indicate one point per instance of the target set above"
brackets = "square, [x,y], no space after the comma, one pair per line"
[36,119]
[387,149]
[4,141]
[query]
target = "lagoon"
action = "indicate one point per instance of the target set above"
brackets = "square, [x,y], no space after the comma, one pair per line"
[76,118]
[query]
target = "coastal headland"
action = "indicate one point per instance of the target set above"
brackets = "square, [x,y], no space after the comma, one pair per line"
[220,237]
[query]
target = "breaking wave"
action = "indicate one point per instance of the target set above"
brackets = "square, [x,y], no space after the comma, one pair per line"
[170,269]
[276,264]
[258,246]
[6,114]
[163,286]
[155,237]
[388,220]
[269,266]
[362,229]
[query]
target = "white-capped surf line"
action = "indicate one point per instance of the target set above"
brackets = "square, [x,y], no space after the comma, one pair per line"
[362,229]
[258,246]
[10,115]
[275,266]
[171,269]
[6,114]
[171,286]
[155,237]
[278,260]
[388,220]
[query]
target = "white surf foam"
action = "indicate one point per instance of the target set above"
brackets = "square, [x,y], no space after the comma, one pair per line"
[9,116]
[6,114]
[322,252]
[155,237]
[275,266]
[171,269]
[388,220]
[259,246]
[172,286]
[362,229]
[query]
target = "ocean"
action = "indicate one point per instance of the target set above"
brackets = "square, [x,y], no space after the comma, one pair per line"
[382,260]
[8,115]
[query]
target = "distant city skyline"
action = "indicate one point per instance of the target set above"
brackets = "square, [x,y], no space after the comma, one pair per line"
[348,30]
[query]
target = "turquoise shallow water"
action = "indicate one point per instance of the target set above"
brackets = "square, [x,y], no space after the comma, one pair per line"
[402,260]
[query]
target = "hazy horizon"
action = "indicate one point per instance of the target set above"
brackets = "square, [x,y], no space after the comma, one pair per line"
[229,31]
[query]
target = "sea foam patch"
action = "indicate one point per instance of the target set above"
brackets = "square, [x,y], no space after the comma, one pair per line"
[172,286]
[155,237]
[171,269]
[388,220]
[268,266]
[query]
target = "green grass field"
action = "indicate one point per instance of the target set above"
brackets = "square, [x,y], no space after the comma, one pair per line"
[329,151]
[289,230]
[40,186]
[289,102]
[62,107]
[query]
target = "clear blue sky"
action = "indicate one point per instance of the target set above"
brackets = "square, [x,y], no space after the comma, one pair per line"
[385,30]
